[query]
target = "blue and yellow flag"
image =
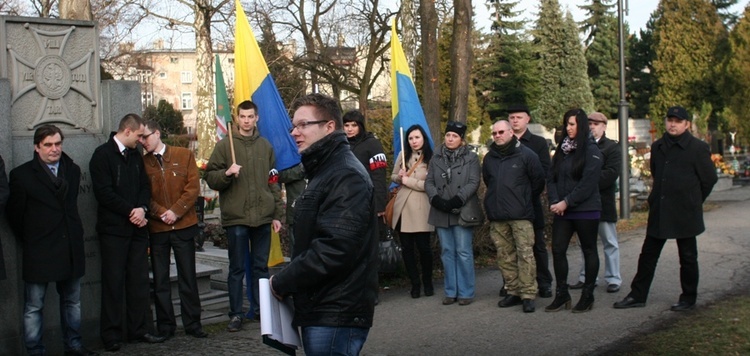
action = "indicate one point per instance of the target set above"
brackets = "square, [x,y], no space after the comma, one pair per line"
[407,110]
[253,81]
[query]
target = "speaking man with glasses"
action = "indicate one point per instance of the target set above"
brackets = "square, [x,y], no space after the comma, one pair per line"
[333,272]
[251,205]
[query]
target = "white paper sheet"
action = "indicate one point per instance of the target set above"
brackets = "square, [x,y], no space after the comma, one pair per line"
[276,317]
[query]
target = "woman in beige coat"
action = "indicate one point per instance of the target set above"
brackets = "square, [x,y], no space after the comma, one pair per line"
[411,209]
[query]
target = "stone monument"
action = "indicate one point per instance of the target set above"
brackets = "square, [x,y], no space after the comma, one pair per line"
[49,73]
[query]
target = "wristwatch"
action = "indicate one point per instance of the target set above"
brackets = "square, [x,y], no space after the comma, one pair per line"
[145,209]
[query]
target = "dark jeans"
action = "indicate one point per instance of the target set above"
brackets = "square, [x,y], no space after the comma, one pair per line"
[420,240]
[562,232]
[183,245]
[688,251]
[543,276]
[329,340]
[240,238]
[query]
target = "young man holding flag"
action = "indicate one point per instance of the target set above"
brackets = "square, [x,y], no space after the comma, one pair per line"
[250,204]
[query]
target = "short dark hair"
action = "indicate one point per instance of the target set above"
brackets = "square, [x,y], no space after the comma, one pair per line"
[131,121]
[153,125]
[247,105]
[325,106]
[45,131]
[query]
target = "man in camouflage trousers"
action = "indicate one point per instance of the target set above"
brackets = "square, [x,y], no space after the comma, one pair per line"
[513,175]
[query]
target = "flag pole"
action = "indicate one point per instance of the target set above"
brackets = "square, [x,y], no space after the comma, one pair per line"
[231,140]
[403,158]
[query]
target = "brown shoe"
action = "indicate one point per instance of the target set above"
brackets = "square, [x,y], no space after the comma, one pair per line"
[448,301]
[465,301]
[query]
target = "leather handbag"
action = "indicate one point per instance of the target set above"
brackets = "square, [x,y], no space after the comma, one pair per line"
[390,254]
[392,201]
[471,213]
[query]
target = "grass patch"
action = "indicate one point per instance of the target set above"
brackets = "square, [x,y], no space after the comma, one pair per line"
[216,328]
[719,329]
[638,219]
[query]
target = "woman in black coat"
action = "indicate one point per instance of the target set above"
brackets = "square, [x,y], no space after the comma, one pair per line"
[573,191]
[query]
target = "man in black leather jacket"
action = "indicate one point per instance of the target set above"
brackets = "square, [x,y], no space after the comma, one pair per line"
[333,272]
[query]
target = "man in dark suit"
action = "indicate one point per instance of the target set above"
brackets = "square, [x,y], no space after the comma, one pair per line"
[519,117]
[173,224]
[684,176]
[612,159]
[43,213]
[122,190]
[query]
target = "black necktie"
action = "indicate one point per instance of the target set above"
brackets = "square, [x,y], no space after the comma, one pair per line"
[158,158]
[125,152]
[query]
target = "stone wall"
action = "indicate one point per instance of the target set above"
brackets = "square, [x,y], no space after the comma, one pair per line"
[49,73]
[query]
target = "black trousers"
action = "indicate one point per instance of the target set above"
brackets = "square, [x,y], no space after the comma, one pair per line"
[125,287]
[543,276]
[162,244]
[420,240]
[562,232]
[650,252]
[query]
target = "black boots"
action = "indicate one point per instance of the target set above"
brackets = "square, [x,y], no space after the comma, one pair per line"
[562,299]
[428,289]
[415,290]
[587,299]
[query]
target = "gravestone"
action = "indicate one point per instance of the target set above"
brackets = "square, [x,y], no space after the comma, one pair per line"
[49,74]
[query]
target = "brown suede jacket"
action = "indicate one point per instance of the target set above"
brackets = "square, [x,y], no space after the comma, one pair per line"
[175,187]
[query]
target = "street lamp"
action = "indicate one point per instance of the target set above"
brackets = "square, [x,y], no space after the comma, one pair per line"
[623,120]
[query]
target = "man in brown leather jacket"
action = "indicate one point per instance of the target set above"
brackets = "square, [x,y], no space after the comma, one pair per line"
[172,224]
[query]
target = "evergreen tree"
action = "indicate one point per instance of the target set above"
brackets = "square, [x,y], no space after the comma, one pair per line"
[603,59]
[505,71]
[169,119]
[738,70]
[688,62]
[564,83]
[641,82]
[723,7]
[596,12]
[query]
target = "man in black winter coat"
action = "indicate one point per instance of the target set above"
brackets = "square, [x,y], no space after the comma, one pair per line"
[684,176]
[333,272]
[513,175]
[122,189]
[43,213]
[519,117]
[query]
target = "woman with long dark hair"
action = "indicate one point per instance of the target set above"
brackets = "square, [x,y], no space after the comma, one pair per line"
[573,189]
[411,209]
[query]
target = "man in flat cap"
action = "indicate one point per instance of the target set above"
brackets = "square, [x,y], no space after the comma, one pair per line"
[519,117]
[683,177]
[611,161]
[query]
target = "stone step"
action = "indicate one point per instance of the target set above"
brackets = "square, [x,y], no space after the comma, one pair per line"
[203,274]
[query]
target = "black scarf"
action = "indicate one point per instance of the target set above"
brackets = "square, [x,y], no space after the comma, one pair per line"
[507,149]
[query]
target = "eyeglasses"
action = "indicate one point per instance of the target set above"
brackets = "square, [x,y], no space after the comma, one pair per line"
[301,126]
[496,133]
[146,136]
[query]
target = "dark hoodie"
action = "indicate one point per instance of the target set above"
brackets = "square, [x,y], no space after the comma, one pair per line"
[368,150]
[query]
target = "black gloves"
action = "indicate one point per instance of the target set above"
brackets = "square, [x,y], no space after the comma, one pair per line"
[440,204]
[455,202]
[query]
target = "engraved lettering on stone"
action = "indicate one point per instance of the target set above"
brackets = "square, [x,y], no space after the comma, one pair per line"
[52,77]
